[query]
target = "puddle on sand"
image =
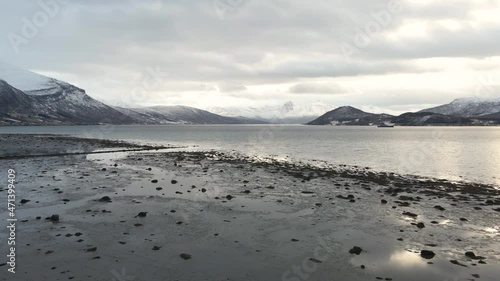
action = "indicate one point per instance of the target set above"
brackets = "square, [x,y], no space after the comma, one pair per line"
[385,258]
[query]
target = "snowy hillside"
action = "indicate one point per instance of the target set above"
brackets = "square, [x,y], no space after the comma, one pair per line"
[53,101]
[181,115]
[468,107]
[29,82]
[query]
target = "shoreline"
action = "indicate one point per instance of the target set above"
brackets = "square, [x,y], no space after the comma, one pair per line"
[241,218]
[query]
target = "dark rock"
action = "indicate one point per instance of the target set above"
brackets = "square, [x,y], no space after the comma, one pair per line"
[54,218]
[24,201]
[173,181]
[463,219]
[356,250]
[105,199]
[156,248]
[383,201]
[439,208]
[246,191]
[409,214]
[473,256]
[457,263]
[142,214]
[229,197]
[427,254]
[420,225]
[91,249]
[154,181]
[315,260]
[203,190]
[159,188]
[185,256]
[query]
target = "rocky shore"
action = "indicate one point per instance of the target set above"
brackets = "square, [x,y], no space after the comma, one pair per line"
[135,212]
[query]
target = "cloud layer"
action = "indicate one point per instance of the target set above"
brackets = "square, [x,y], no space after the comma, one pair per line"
[256,52]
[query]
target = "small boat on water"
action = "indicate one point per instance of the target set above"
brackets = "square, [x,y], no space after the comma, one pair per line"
[385,125]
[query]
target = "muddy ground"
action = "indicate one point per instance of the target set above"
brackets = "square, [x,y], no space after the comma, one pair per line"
[170,214]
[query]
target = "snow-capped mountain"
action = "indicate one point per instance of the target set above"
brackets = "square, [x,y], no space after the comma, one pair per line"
[288,113]
[50,101]
[181,115]
[468,107]
[348,115]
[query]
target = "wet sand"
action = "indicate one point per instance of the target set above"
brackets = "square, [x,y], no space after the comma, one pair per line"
[169,214]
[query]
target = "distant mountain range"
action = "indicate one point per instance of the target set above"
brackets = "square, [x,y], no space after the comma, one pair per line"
[182,115]
[27,98]
[460,112]
[288,113]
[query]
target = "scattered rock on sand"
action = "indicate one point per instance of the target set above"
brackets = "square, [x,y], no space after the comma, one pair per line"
[173,181]
[185,256]
[420,225]
[315,260]
[355,250]
[24,201]
[409,214]
[105,199]
[91,249]
[473,256]
[383,201]
[54,218]
[154,181]
[426,254]
[142,214]
[439,208]
[457,263]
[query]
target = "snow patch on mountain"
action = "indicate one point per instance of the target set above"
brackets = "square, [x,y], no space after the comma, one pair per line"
[29,82]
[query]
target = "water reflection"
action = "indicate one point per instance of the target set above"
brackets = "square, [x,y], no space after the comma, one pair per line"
[406,259]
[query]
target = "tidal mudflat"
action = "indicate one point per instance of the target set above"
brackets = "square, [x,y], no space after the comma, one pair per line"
[173,214]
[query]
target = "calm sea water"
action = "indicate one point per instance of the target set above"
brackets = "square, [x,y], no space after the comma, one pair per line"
[455,153]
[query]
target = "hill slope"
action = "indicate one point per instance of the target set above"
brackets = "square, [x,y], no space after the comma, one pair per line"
[467,107]
[348,115]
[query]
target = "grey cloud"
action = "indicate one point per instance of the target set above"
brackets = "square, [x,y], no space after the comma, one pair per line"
[105,44]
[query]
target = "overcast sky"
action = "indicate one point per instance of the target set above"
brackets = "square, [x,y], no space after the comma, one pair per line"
[381,55]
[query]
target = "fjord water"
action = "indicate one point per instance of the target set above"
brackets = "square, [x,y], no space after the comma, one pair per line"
[454,153]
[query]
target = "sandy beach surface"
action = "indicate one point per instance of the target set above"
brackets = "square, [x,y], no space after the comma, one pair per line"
[139,213]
